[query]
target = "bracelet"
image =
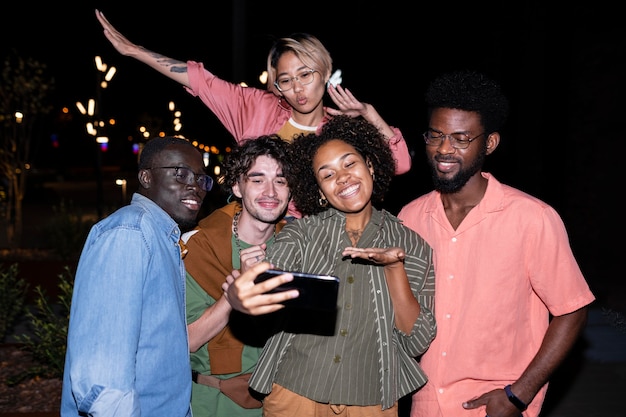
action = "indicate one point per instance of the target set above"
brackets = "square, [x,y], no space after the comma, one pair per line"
[521,405]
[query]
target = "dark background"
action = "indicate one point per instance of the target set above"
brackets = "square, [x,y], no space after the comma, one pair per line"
[562,68]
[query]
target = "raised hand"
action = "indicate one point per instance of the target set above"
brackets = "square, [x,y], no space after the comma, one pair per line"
[251,256]
[346,103]
[119,41]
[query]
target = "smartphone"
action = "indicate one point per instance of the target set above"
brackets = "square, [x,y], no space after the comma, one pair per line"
[317,292]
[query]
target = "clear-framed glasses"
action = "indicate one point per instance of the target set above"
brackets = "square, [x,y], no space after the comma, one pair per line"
[186,176]
[457,140]
[286,83]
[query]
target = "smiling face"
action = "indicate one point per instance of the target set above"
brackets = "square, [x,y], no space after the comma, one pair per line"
[181,201]
[343,176]
[304,99]
[452,168]
[263,191]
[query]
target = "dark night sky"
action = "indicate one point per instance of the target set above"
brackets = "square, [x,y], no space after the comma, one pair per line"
[562,69]
[386,54]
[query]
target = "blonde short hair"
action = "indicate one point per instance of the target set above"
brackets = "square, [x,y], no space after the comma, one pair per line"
[307,48]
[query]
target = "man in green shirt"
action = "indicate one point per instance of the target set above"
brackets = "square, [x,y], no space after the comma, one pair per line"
[225,344]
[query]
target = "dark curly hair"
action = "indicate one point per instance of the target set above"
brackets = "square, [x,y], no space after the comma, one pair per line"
[470,91]
[244,155]
[357,132]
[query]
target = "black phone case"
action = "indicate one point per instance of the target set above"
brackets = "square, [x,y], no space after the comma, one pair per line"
[317,292]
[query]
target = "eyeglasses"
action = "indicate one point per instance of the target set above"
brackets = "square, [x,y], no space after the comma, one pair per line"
[286,83]
[188,177]
[457,140]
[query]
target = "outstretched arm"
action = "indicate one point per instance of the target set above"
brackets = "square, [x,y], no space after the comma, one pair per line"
[171,68]
[405,305]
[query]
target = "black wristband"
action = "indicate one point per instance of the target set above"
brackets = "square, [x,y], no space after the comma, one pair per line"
[521,405]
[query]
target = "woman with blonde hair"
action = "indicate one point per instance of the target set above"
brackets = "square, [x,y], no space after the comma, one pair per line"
[299,73]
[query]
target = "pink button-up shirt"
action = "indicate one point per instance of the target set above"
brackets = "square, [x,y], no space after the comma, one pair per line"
[499,276]
[250,112]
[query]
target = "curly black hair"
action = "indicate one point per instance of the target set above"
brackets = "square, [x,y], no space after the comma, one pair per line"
[469,90]
[357,132]
[244,155]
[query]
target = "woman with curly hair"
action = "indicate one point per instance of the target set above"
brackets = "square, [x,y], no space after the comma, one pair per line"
[359,359]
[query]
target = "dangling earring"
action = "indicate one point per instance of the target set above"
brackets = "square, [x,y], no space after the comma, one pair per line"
[369,166]
[322,202]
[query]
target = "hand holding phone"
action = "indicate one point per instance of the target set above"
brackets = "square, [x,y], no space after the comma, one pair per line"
[317,291]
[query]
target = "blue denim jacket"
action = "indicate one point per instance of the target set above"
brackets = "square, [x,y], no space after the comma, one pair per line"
[127,347]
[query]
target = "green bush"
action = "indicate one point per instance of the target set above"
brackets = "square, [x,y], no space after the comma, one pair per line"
[12,298]
[67,230]
[49,323]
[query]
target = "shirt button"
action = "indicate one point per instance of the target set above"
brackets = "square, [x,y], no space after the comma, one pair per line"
[444,353]
[343,332]
[348,306]
[337,359]
[351,279]
[448,316]
[440,390]
[454,239]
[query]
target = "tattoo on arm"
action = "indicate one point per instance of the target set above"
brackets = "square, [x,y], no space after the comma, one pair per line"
[179,69]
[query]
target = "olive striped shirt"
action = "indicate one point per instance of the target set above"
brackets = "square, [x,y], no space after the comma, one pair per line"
[354,356]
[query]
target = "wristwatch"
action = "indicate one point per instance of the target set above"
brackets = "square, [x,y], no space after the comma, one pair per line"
[521,405]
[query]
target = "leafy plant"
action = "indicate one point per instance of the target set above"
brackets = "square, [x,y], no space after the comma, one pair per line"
[67,230]
[12,298]
[49,323]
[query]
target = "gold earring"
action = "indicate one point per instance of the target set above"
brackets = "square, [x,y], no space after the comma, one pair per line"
[322,202]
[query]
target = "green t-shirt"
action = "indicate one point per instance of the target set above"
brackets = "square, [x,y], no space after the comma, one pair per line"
[207,401]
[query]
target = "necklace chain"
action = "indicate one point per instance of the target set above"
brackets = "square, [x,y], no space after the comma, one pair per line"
[236,230]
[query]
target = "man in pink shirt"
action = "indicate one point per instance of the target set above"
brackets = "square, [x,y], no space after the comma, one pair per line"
[510,298]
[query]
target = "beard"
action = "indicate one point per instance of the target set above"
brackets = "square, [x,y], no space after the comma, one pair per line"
[454,184]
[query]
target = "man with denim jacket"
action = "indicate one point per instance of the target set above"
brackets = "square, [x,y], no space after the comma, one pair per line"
[127,347]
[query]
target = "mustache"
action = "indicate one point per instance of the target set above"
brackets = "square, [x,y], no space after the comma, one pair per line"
[445,158]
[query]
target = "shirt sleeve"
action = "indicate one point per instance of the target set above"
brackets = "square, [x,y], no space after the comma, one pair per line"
[245,112]
[554,273]
[107,297]
[421,273]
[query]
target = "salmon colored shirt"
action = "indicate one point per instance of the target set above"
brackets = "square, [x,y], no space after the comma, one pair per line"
[498,277]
